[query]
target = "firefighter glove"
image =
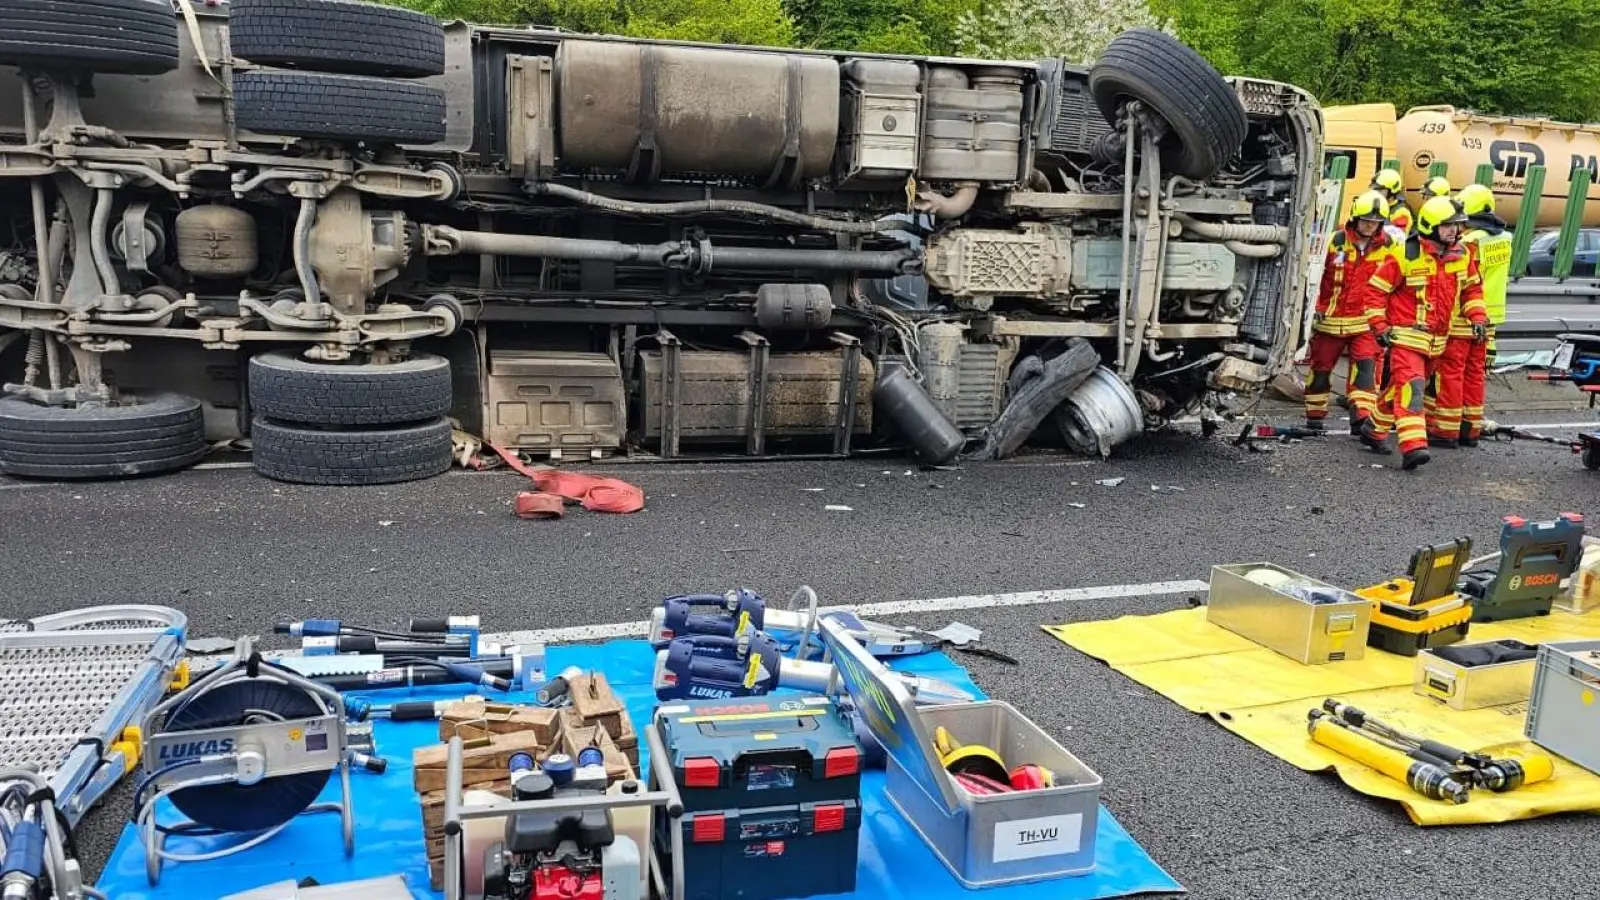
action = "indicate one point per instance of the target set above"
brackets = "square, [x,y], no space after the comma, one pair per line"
[1385,338]
[1480,332]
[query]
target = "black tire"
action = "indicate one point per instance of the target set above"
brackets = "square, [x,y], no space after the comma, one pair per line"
[116,37]
[338,108]
[1205,117]
[286,388]
[372,456]
[157,433]
[1591,457]
[342,36]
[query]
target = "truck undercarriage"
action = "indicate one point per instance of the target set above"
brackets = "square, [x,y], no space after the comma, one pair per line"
[580,245]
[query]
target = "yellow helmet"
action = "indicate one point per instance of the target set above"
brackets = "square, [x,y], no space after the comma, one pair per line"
[1438,186]
[1438,211]
[1370,205]
[1475,199]
[1389,180]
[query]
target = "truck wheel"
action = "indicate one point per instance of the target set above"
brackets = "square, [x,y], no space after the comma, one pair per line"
[286,388]
[155,433]
[341,36]
[303,455]
[1205,117]
[338,107]
[116,37]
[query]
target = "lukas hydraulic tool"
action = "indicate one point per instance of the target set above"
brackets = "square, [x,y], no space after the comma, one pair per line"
[751,664]
[724,615]
[1433,769]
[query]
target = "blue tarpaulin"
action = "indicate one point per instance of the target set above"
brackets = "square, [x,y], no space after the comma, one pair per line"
[894,862]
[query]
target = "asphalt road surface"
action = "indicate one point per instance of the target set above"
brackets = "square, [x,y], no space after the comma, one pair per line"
[238,553]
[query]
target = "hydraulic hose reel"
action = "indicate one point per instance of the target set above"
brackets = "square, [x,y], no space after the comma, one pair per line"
[243,751]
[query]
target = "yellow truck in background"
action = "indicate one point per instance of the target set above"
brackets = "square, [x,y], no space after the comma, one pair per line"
[1371,134]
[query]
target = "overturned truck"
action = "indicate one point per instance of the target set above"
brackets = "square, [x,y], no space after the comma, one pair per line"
[335,227]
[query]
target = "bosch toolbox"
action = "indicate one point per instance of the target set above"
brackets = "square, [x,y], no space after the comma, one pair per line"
[771,790]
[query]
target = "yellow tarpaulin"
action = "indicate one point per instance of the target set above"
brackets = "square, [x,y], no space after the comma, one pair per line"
[1264,697]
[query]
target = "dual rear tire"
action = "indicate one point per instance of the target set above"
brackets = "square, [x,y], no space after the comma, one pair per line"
[341,71]
[336,424]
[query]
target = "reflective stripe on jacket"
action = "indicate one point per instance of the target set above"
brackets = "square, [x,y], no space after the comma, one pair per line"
[1350,266]
[1423,284]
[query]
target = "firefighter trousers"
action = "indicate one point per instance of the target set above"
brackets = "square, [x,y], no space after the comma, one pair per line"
[1362,385]
[1474,385]
[1400,406]
[1459,383]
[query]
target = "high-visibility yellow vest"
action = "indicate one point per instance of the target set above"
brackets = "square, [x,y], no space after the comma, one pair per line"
[1494,264]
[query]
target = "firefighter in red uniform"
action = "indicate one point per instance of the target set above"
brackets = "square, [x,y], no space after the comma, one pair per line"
[1340,322]
[1419,289]
[1394,190]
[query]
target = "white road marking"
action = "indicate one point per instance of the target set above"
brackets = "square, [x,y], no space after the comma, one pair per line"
[578,633]
[25,485]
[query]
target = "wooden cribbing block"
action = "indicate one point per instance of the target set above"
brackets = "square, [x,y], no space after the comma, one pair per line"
[483,760]
[476,718]
[576,738]
[596,704]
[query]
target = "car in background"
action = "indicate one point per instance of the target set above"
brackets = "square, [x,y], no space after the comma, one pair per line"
[1542,253]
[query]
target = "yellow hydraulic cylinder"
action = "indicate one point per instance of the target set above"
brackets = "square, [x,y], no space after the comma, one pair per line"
[1424,778]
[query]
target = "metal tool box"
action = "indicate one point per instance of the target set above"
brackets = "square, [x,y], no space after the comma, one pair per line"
[1475,676]
[771,790]
[986,840]
[1564,710]
[1311,633]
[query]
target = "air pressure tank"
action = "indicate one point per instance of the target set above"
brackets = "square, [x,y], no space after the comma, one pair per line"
[1430,134]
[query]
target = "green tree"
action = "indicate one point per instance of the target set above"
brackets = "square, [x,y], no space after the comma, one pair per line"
[879,26]
[755,22]
[1498,56]
[1077,30]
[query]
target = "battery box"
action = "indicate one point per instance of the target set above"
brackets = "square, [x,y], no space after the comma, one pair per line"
[1535,558]
[1422,611]
[771,790]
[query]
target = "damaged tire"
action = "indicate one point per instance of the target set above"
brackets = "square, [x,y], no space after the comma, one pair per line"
[338,108]
[349,38]
[1205,119]
[286,388]
[115,37]
[1035,398]
[304,455]
[155,433]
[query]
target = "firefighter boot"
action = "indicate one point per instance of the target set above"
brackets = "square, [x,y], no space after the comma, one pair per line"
[1468,439]
[1414,458]
[1370,440]
[1315,425]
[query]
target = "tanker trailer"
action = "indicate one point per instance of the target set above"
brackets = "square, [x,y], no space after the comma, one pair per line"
[581,245]
[1430,134]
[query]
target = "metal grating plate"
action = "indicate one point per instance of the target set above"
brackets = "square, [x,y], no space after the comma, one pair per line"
[81,676]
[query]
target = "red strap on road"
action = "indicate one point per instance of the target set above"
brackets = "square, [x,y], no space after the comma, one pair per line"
[534,505]
[611,495]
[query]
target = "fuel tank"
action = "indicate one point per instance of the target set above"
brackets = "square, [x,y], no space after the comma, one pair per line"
[645,111]
[1429,134]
